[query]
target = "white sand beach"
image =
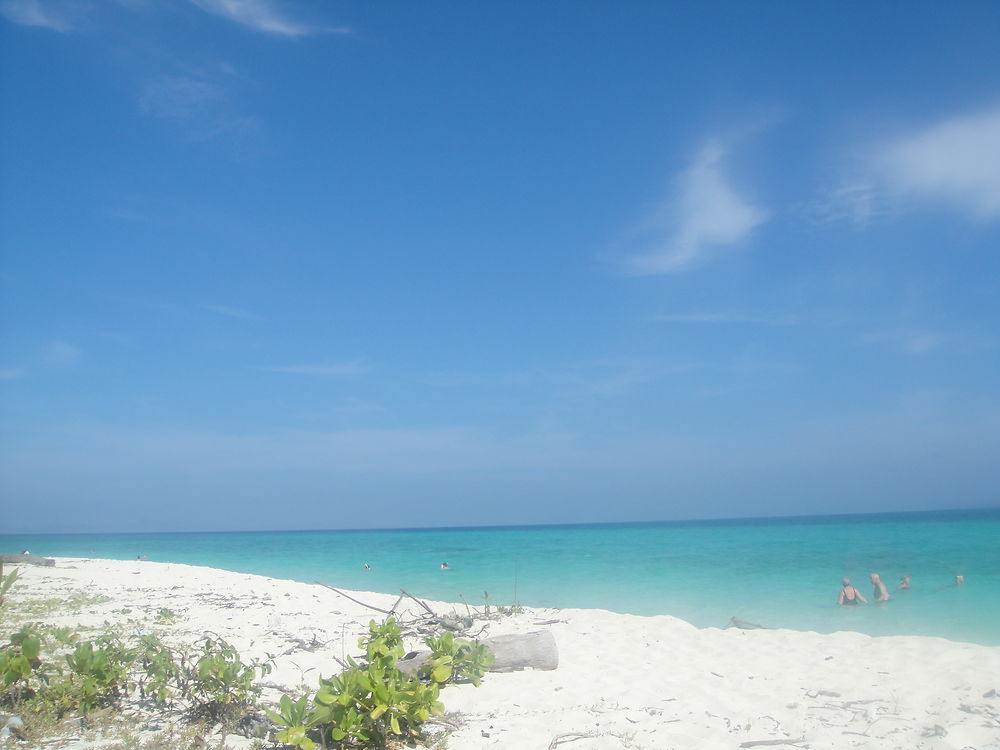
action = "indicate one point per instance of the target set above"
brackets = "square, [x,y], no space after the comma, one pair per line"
[622,682]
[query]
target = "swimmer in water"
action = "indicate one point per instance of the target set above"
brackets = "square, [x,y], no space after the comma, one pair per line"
[959,580]
[904,583]
[367,567]
[881,592]
[444,566]
[849,596]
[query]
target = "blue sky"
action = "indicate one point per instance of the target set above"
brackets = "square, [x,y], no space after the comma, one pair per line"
[336,265]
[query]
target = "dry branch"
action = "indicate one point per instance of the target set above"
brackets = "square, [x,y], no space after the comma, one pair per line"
[346,596]
[421,603]
[560,739]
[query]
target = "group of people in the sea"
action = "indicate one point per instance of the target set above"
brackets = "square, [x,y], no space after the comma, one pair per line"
[851,597]
[444,566]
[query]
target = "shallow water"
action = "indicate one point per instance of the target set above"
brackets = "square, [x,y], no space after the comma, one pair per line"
[776,572]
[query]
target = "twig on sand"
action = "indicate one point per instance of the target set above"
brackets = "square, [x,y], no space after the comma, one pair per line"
[422,604]
[761,743]
[560,739]
[370,606]
[444,721]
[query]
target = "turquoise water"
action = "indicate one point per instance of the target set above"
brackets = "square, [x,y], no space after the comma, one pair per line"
[776,572]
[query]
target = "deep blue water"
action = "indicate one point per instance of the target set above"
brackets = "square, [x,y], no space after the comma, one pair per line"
[780,572]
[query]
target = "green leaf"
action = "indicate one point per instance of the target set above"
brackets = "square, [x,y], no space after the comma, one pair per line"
[441,673]
[276,718]
[30,646]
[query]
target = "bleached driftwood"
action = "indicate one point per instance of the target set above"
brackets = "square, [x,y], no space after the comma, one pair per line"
[511,653]
[27,559]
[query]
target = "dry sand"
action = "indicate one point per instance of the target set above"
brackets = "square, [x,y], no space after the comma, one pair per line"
[623,681]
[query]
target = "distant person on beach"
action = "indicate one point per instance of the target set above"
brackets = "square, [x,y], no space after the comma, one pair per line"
[881,592]
[444,566]
[849,596]
[959,580]
[904,583]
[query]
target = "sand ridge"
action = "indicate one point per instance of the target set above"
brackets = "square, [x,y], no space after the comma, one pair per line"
[623,681]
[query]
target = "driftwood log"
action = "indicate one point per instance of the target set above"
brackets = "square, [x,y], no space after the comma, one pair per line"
[510,653]
[28,559]
[736,622]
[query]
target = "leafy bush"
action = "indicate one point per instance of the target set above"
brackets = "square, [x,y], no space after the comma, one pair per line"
[295,717]
[373,704]
[221,683]
[456,660]
[159,670]
[20,665]
[166,616]
[102,671]
[367,705]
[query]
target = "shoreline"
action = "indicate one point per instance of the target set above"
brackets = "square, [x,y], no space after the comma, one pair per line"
[624,681]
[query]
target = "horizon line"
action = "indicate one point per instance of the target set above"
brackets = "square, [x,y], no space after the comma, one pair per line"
[530,526]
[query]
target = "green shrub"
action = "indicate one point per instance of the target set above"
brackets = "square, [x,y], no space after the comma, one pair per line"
[295,717]
[221,683]
[455,660]
[369,705]
[20,665]
[166,616]
[102,671]
[158,671]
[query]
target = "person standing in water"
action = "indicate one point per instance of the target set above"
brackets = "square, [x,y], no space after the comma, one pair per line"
[849,596]
[904,583]
[881,592]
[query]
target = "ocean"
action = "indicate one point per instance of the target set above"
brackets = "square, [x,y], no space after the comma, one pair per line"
[776,572]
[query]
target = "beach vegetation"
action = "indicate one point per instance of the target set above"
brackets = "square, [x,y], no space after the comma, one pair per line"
[222,686]
[20,666]
[372,704]
[99,672]
[159,670]
[52,675]
[7,582]
[295,717]
[166,616]
[63,636]
[455,660]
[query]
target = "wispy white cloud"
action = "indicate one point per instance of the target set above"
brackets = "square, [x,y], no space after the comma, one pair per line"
[261,15]
[909,342]
[705,214]
[330,369]
[232,312]
[61,354]
[921,341]
[727,318]
[203,104]
[957,160]
[63,17]
[180,97]
[857,203]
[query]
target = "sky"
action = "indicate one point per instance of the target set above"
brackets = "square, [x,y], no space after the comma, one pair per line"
[290,265]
